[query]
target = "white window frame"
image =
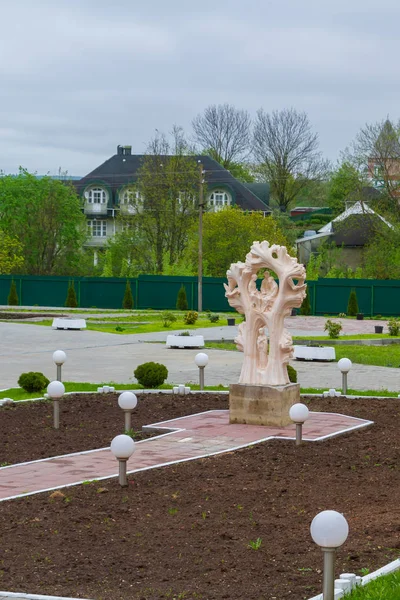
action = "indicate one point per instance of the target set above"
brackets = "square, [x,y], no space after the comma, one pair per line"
[219,199]
[97,228]
[96,195]
[129,196]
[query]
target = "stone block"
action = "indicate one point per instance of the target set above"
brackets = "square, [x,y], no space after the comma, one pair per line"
[262,404]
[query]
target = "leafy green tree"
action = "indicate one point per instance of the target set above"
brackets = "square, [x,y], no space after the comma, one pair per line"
[228,235]
[382,255]
[71,300]
[11,259]
[168,182]
[12,299]
[181,301]
[108,264]
[352,306]
[45,216]
[128,298]
[345,182]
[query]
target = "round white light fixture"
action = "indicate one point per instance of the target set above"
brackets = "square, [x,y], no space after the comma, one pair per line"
[59,357]
[56,390]
[299,413]
[329,529]
[127,401]
[201,359]
[122,446]
[345,364]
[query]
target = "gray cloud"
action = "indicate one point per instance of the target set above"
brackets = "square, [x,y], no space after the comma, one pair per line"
[79,77]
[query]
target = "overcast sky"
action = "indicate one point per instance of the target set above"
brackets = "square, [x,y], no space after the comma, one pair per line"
[79,77]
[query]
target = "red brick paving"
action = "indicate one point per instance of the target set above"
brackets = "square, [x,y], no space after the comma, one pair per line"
[195,436]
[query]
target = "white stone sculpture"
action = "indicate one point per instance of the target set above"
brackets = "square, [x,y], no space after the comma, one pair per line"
[265,358]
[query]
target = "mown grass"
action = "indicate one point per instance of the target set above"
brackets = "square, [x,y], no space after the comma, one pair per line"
[386,587]
[379,356]
[19,394]
[359,336]
[140,323]
[71,386]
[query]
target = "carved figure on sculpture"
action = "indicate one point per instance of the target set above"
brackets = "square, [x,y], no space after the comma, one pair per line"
[265,358]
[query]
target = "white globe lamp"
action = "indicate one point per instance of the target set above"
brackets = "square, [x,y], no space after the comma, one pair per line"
[344,365]
[59,357]
[329,529]
[122,446]
[127,401]
[201,360]
[299,413]
[55,391]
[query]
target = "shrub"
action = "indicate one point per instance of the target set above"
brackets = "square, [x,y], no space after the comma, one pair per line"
[151,374]
[33,381]
[71,300]
[305,308]
[342,315]
[167,318]
[333,328]
[393,327]
[127,302]
[352,307]
[292,374]
[191,317]
[12,299]
[185,333]
[213,318]
[181,300]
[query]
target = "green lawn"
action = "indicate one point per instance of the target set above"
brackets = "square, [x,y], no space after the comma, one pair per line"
[386,587]
[19,394]
[381,356]
[359,336]
[141,322]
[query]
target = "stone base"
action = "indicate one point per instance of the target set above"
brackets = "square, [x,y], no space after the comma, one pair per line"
[262,404]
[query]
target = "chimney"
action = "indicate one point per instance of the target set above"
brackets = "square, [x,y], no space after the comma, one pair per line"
[120,150]
[127,150]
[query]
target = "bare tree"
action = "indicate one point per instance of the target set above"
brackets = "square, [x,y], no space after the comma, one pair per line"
[376,152]
[287,152]
[224,132]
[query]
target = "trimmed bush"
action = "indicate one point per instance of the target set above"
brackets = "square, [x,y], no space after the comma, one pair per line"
[305,308]
[127,302]
[181,300]
[191,317]
[292,374]
[393,327]
[33,381]
[71,301]
[151,374]
[12,299]
[213,318]
[333,328]
[352,307]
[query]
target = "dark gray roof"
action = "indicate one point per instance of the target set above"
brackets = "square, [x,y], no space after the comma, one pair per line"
[122,169]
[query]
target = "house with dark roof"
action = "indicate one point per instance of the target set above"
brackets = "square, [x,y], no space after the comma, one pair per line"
[112,185]
[351,230]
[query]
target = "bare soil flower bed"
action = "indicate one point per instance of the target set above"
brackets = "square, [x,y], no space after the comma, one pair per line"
[186,531]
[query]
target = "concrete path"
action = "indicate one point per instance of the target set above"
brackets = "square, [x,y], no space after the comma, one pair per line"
[194,436]
[103,357]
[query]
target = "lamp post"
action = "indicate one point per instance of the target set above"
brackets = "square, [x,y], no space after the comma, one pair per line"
[201,360]
[299,413]
[329,529]
[344,364]
[59,357]
[127,401]
[56,390]
[122,447]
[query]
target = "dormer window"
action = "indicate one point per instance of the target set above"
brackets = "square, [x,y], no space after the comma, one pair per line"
[219,198]
[96,195]
[129,196]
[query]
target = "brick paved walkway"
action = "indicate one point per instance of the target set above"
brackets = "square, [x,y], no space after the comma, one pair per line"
[192,437]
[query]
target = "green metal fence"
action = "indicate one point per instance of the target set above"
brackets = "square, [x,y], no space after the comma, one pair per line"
[327,296]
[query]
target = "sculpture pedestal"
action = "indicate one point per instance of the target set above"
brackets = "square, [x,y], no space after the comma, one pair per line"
[262,404]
